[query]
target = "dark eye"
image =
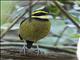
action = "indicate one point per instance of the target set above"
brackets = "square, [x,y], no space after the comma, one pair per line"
[39,14]
[46,9]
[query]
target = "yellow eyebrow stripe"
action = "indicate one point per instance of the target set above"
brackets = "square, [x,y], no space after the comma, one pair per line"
[39,12]
[43,17]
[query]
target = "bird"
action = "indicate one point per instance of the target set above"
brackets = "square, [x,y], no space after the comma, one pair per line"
[36,29]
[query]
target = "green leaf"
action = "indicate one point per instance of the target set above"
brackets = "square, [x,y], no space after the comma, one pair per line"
[76,36]
[6,9]
[54,10]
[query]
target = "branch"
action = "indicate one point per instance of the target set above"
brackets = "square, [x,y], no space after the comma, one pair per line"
[30,10]
[66,49]
[61,34]
[66,14]
[14,53]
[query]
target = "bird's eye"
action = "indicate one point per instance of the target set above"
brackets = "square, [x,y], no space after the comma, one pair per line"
[46,9]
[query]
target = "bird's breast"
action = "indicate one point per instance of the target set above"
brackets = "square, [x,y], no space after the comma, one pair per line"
[34,30]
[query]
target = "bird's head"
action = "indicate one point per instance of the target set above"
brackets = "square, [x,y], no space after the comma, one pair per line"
[42,14]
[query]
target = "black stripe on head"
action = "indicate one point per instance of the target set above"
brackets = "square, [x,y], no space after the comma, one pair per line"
[39,14]
[40,19]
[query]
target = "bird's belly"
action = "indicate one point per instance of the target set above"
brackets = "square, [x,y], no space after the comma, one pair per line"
[34,30]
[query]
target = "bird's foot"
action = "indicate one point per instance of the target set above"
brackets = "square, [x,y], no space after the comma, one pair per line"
[37,51]
[24,50]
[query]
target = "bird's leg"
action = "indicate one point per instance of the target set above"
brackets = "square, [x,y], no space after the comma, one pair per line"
[37,50]
[24,48]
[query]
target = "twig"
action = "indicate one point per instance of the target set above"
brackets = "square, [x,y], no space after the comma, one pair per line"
[13,23]
[30,10]
[66,14]
[61,34]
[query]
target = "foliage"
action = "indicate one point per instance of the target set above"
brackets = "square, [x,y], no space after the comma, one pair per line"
[54,10]
[6,8]
[76,35]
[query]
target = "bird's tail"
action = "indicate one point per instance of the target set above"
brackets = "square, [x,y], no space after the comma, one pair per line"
[29,44]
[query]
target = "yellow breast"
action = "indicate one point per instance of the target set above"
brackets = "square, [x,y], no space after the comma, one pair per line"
[34,30]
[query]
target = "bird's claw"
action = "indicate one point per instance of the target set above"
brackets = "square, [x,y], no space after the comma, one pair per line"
[37,51]
[24,50]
